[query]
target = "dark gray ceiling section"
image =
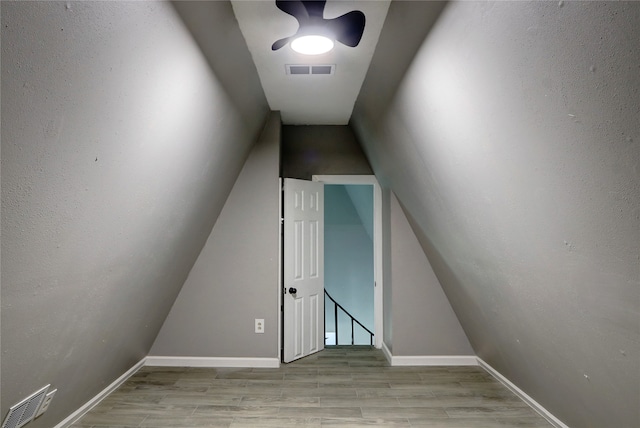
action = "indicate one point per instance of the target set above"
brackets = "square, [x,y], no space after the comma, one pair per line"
[309,150]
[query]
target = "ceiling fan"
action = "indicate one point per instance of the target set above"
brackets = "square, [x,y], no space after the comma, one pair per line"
[318,31]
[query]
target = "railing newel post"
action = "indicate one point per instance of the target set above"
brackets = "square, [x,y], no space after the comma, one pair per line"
[335,314]
[352,339]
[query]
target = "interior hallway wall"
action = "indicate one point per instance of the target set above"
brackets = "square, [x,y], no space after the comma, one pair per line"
[119,148]
[362,198]
[423,322]
[235,278]
[516,129]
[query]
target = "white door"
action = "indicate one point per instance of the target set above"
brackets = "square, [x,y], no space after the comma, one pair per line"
[303,268]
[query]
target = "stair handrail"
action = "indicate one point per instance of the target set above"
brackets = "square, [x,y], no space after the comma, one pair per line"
[338,305]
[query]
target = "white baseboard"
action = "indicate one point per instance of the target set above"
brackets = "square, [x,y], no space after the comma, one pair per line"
[435,360]
[429,360]
[273,363]
[523,395]
[167,362]
[86,407]
[387,353]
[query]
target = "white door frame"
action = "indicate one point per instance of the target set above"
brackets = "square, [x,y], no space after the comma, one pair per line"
[280,268]
[377,240]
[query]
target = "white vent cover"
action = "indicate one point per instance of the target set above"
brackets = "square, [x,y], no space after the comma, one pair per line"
[22,413]
[305,69]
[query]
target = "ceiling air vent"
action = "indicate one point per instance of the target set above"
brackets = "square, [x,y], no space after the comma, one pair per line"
[311,69]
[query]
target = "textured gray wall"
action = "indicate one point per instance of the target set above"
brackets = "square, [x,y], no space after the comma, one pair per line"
[405,28]
[322,149]
[423,321]
[235,278]
[517,129]
[214,27]
[119,148]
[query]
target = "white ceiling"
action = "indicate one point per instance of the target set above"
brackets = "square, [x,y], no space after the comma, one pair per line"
[309,99]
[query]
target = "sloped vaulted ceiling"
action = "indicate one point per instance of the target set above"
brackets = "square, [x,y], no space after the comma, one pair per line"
[516,128]
[120,144]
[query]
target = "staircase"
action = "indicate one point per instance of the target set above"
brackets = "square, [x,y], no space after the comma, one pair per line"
[337,307]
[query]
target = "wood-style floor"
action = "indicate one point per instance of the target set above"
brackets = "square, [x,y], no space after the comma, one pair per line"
[340,387]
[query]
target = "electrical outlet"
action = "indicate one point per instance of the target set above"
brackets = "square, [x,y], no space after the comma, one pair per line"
[45,403]
[259,325]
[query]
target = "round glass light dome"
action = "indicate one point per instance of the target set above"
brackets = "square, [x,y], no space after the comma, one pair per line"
[312,45]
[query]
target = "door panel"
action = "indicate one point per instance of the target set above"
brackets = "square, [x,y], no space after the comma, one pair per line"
[303,268]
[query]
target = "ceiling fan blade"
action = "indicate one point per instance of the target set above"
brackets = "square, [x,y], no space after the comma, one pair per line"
[295,8]
[348,28]
[315,8]
[280,43]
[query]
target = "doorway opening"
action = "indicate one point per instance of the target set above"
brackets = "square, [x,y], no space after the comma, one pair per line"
[348,264]
[353,257]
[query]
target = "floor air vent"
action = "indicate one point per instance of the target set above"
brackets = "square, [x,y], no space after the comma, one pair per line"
[22,413]
[324,69]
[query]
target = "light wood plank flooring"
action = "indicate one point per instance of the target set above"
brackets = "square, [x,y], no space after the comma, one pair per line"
[340,387]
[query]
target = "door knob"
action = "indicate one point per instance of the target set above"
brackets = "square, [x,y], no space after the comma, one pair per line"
[293,290]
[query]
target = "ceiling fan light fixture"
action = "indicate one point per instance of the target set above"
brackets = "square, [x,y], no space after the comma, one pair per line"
[312,44]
